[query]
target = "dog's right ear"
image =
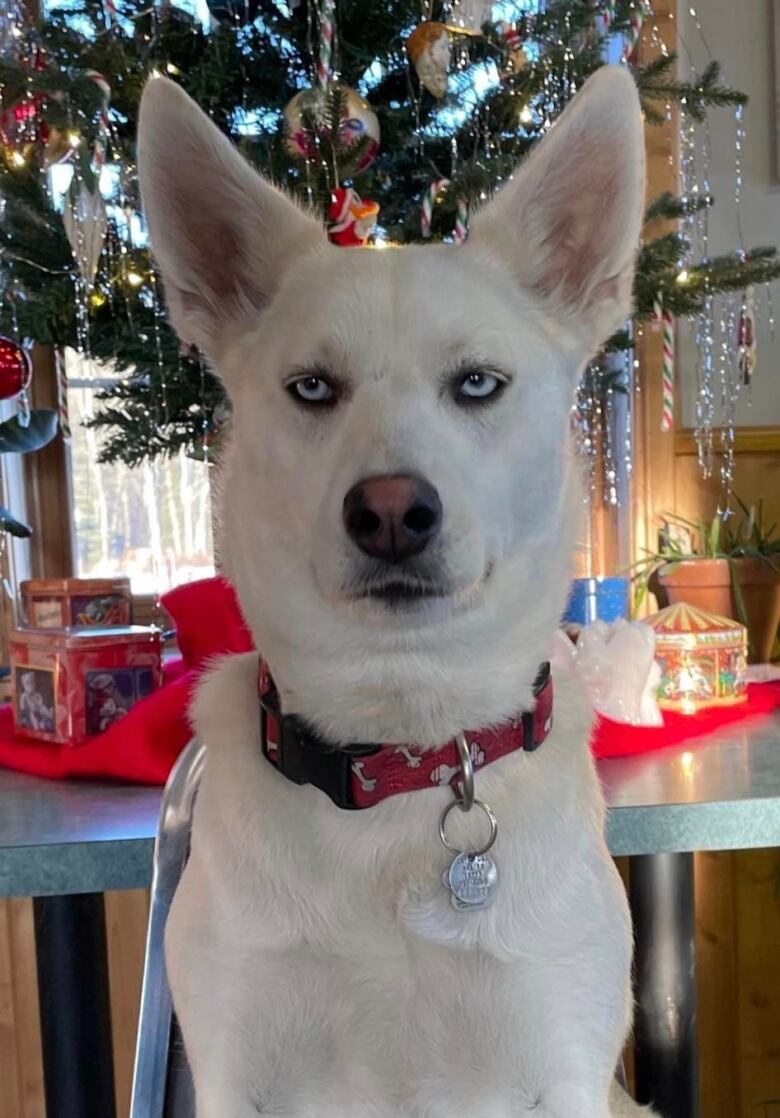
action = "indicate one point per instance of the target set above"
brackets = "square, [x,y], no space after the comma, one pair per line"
[221,234]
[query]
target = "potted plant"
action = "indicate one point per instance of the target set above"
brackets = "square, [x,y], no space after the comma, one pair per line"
[719,569]
[754,552]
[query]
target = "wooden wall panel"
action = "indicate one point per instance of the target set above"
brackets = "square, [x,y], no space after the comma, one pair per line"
[21,1076]
[757,919]
[9,1062]
[717,983]
[127,915]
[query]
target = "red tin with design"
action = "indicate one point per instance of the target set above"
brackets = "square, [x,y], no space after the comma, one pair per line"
[71,684]
[56,603]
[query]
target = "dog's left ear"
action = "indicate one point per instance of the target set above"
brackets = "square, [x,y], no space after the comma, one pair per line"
[222,235]
[568,222]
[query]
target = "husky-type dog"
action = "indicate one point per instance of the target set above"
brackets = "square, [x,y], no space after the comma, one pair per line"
[398,508]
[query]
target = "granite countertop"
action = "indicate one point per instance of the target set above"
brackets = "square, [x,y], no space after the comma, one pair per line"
[720,793]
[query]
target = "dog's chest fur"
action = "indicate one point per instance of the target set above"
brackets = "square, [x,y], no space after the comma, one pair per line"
[321,969]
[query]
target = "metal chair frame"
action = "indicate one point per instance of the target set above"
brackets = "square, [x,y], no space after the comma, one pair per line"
[171,849]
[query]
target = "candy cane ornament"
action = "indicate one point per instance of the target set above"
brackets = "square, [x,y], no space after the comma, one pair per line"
[104,125]
[428,202]
[327,19]
[461,221]
[63,412]
[667,375]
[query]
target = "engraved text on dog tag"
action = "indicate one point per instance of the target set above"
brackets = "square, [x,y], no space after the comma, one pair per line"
[471,880]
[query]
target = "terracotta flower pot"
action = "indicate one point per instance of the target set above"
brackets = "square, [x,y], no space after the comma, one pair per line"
[761,591]
[705,583]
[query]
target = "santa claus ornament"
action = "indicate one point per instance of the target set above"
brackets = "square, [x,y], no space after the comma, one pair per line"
[351,220]
[430,50]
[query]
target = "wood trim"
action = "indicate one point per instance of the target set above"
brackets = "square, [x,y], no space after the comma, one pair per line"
[653,479]
[747,440]
[48,482]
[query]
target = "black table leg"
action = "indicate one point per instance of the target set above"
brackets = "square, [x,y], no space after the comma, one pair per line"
[70,942]
[662,904]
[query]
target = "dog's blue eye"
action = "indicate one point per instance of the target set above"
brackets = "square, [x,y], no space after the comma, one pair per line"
[312,390]
[478,385]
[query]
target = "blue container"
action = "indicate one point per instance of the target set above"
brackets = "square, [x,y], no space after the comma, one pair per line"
[596,599]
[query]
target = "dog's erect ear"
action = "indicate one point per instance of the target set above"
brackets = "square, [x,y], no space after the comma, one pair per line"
[569,220]
[221,234]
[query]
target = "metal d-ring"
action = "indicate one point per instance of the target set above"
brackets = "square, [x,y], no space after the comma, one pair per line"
[493,828]
[464,793]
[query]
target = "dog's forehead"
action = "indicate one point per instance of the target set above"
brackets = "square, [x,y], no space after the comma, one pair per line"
[402,302]
[413,281]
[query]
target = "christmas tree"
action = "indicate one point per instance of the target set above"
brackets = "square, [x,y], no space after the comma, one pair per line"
[392,127]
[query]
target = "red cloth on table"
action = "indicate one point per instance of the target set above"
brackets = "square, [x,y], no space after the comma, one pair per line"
[143,746]
[614,739]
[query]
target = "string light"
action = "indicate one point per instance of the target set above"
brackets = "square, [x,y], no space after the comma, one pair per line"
[134,279]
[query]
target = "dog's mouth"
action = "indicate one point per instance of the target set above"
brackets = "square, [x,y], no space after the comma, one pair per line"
[404,592]
[398,594]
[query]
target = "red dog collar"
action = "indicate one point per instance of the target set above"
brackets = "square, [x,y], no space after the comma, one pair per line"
[359,776]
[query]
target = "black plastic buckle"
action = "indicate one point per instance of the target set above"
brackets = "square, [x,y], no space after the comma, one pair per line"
[529,716]
[304,758]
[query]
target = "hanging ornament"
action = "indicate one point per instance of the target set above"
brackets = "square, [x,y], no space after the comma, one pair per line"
[20,127]
[428,202]
[327,32]
[59,147]
[471,15]
[430,50]
[351,220]
[667,370]
[22,124]
[63,411]
[85,220]
[516,58]
[605,19]
[238,12]
[15,369]
[104,127]
[636,21]
[461,221]
[358,120]
[746,337]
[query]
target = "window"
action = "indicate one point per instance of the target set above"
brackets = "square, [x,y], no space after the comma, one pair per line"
[152,522]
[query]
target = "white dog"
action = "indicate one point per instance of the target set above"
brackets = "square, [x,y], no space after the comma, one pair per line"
[398,510]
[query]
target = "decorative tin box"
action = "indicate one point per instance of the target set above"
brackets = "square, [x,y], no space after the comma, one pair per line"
[53,603]
[703,659]
[69,684]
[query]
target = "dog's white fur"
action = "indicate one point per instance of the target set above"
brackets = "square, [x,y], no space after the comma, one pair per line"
[317,965]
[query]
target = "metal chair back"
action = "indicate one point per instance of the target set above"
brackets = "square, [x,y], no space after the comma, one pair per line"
[162,1086]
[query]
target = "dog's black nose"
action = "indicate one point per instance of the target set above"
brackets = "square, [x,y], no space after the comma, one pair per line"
[392,517]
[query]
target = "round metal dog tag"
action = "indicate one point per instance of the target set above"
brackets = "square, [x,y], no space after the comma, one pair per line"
[471,880]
